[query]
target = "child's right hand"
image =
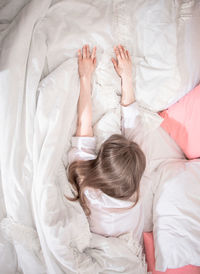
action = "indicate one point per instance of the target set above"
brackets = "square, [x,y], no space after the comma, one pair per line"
[122,63]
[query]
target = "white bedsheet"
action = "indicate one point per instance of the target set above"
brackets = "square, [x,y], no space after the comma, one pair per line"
[39,92]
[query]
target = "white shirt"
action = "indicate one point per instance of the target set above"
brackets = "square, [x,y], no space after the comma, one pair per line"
[110,216]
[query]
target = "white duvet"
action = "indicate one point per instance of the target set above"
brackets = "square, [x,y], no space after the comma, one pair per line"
[41,232]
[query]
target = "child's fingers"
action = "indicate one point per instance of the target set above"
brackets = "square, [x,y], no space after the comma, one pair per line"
[121,49]
[88,51]
[95,61]
[84,51]
[114,62]
[93,53]
[125,53]
[128,54]
[117,52]
[79,55]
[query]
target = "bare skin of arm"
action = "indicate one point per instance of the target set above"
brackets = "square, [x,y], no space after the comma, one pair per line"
[123,67]
[86,67]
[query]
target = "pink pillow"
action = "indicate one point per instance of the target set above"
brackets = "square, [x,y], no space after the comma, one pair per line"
[150,258]
[182,122]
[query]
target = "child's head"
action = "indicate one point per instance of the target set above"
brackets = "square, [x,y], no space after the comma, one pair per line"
[116,171]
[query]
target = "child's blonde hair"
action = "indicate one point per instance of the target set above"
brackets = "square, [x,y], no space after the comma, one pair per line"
[116,171]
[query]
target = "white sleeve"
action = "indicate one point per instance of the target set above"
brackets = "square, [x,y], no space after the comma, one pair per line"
[134,129]
[130,115]
[83,148]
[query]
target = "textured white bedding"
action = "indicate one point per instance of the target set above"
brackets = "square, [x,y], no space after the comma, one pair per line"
[176,215]
[39,92]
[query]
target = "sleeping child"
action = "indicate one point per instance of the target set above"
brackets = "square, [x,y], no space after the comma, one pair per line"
[107,184]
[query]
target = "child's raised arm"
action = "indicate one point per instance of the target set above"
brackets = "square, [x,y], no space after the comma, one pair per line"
[130,112]
[123,67]
[86,67]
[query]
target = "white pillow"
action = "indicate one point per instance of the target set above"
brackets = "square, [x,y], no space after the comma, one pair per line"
[176,215]
[164,37]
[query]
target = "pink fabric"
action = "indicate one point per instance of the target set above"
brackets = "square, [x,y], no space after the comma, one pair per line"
[150,258]
[182,122]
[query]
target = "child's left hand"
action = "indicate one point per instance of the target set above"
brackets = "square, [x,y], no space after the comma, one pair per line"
[86,62]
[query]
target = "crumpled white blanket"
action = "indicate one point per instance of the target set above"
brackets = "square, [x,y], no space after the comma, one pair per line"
[39,93]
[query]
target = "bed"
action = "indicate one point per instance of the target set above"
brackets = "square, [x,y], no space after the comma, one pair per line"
[41,231]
